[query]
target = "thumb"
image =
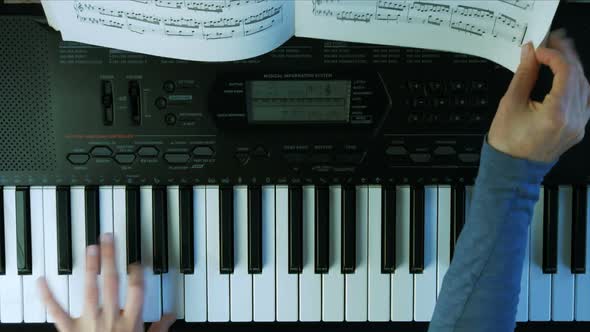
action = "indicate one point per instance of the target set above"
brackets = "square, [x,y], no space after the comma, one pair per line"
[164,324]
[526,75]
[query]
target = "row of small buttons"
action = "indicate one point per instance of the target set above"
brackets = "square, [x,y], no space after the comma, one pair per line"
[126,158]
[423,157]
[439,87]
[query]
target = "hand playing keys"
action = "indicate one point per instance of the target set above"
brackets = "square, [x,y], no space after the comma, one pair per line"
[108,318]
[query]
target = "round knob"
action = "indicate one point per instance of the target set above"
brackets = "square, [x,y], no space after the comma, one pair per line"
[169,86]
[170,119]
[161,103]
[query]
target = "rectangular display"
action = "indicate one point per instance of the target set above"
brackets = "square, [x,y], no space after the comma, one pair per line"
[298,101]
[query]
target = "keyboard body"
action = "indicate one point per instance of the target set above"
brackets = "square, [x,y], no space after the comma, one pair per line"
[83,117]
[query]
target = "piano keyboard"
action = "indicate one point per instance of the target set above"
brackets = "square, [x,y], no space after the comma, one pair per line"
[278,253]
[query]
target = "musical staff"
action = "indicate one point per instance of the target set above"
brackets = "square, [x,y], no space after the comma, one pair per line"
[458,18]
[205,20]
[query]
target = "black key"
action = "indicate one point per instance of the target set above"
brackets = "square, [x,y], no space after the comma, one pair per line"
[64,231]
[578,264]
[2,240]
[187,237]
[226,230]
[348,229]
[295,229]
[254,229]
[132,212]
[23,231]
[160,229]
[322,229]
[92,208]
[388,212]
[417,229]
[457,214]
[550,206]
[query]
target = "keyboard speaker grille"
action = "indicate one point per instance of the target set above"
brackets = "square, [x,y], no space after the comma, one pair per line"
[27,140]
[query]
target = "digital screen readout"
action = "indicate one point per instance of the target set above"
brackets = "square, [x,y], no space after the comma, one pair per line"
[298,101]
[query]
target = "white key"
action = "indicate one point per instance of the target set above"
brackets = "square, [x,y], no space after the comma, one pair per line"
[582,298]
[57,283]
[152,307]
[310,283]
[522,310]
[217,283]
[78,227]
[356,283]
[34,309]
[425,282]
[333,281]
[539,283]
[173,281]
[241,280]
[11,292]
[264,283]
[379,283]
[287,284]
[105,202]
[195,285]
[562,296]
[444,235]
[120,233]
[402,281]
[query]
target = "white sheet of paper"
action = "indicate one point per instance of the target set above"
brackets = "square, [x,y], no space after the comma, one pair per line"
[206,30]
[492,29]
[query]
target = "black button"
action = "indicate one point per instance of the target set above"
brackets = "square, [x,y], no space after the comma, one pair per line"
[203,151]
[92,209]
[177,158]
[125,158]
[64,231]
[243,158]
[169,86]
[170,119]
[78,158]
[101,151]
[147,151]
[132,215]
[226,230]
[469,157]
[550,216]
[396,150]
[161,103]
[420,157]
[23,231]
[444,151]
[187,246]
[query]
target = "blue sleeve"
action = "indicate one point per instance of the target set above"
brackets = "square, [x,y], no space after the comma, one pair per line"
[480,290]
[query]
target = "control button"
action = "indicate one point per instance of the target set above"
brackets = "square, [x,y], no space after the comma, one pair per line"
[125,158]
[101,151]
[351,158]
[479,86]
[170,119]
[413,118]
[78,158]
[460,101]
[441,102]
[444,151]
[458,86]
[176,158]
[420,157]
[321,168]
[480,101]
[469,157]
[295,158]
[419,102]
[243,158]
[203,151]
[320,158]
[147,151]
[161,103]
[396,150]
[416,87]
[260,152]
[435,87]
[169,86]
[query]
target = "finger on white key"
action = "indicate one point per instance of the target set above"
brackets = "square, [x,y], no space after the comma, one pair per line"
[135,293]
[173,280]
[62,319]
[78,236]
[90,283]
[110,277]
[120,239]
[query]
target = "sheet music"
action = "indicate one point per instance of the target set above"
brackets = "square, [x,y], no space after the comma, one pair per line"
[205,30]
[492,29]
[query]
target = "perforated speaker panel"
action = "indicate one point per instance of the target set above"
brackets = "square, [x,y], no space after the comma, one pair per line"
[27,140]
